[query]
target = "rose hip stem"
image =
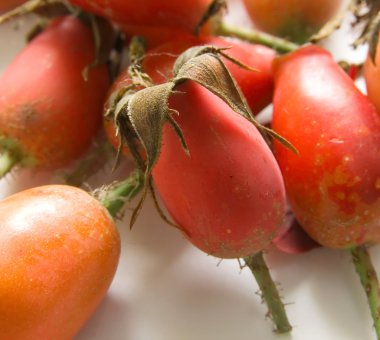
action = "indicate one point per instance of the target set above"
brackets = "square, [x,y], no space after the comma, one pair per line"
[113,199]
[270,295]
[255,262]
[368,278]
[254,36]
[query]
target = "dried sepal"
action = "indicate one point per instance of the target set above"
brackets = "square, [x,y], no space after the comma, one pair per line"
[136,50]
[136,55]
[331,26]
[140,203]
[44,8]
[148,110]
[119,100]
[208,69]
[366,13]
[104,36]
[159,209]
[196,51]
[140,114]
[193,52]
[373,37]
[177,129]
[279,138]
[215,8]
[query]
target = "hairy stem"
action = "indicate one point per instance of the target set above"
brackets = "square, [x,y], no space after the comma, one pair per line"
[368,278]
[270,295]
[255,36]
[7,162]
[115,197]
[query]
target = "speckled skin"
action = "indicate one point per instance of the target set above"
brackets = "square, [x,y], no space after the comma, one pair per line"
[257,86]
[334,184]
[228,195]
[47,109]
[59,249]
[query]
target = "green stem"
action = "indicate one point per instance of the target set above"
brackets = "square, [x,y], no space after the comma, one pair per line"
[368,278]
[255,36]
[270,295]
[117,195]
[7,162]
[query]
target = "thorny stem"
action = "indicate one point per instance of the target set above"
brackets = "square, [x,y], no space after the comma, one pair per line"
[7,162]
[368,278]
[270,295]
[255,36]
[121,192]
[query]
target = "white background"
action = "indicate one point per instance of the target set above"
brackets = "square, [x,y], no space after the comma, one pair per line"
[165,289]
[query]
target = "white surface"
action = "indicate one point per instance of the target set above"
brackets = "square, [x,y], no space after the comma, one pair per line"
[165,289]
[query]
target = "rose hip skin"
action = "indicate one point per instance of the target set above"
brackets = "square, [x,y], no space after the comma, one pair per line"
[59,252]
[296,20]
[333,184]
[48,112]
[156,20]
[228,195]
[257,86]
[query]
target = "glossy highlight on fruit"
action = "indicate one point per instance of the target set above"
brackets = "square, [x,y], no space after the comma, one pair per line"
[333,185]
[59,252]
[228,195]
[156,20]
